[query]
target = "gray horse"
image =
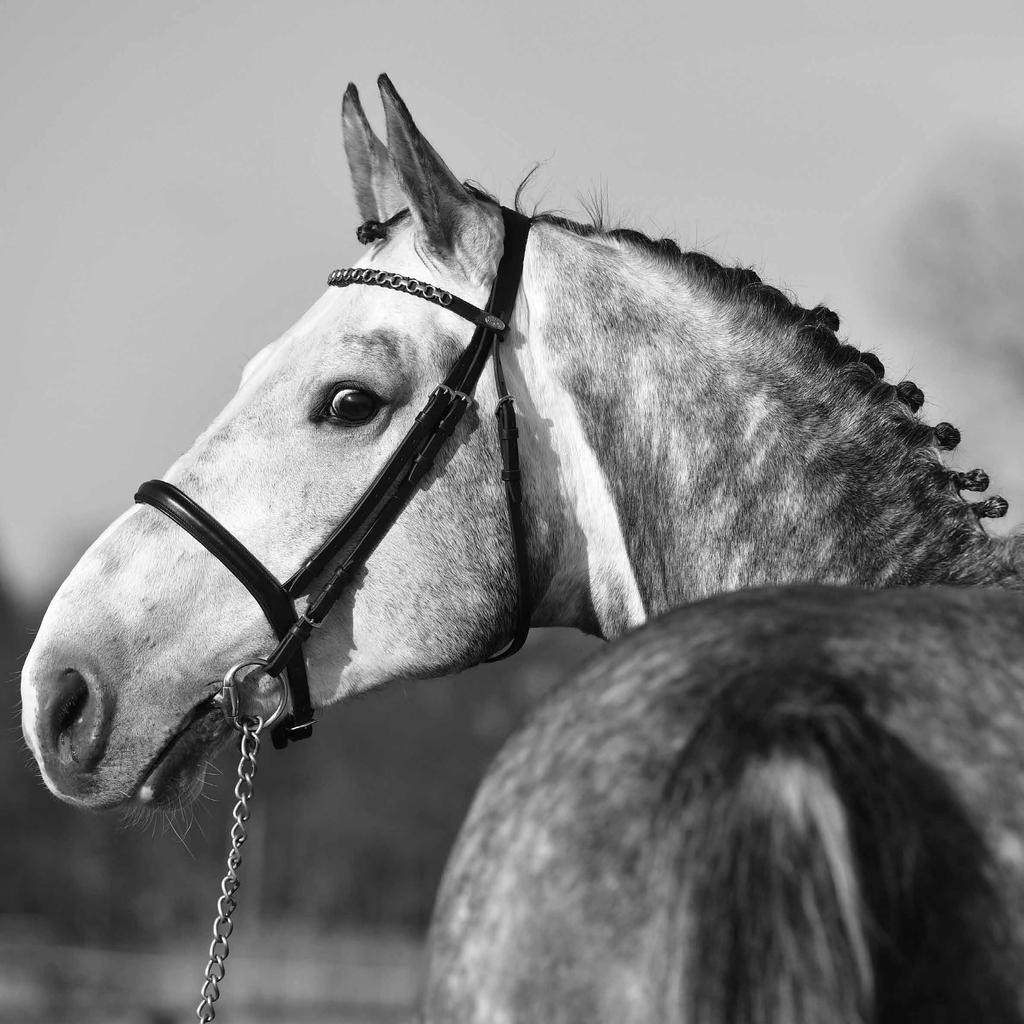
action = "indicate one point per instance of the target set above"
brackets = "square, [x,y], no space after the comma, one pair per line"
[684,430]
[798,805]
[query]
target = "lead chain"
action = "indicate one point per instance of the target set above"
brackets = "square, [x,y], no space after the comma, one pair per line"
[227,904]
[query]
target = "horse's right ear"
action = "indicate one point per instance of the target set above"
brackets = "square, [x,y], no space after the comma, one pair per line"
[378,194]
[437,200]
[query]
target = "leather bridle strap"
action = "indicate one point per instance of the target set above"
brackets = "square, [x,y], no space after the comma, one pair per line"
[503,299]
[274,599]
[377,509]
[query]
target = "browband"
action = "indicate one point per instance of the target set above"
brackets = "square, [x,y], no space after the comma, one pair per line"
[385,279]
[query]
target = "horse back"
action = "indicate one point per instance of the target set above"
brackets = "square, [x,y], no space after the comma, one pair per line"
[797,805]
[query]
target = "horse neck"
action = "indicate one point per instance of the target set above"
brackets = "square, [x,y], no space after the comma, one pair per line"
[697,446]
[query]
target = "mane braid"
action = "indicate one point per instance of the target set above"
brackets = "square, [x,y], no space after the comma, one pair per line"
[743,288]
[863,372]
[377,230]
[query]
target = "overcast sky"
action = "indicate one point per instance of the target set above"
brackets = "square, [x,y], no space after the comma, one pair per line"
[174,189]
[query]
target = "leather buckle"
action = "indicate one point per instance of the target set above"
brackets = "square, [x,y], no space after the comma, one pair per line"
[443,389]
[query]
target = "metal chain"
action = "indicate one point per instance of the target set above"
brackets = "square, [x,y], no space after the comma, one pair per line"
[227,904]
[389,279]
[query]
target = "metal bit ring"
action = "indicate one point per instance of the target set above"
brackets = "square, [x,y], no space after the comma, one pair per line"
[231,703]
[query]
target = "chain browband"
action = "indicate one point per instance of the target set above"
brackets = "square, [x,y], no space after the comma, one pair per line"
[367,523]
[409,285]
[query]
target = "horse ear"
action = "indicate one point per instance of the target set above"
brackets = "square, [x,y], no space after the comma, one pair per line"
[378,194]
[437,199]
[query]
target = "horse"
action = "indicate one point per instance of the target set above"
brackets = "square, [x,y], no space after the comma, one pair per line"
[684,430]
[785,805]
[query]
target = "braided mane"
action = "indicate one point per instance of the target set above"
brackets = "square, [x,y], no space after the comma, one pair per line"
[742,288]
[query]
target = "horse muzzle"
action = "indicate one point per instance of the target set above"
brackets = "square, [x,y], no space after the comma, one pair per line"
[67,717]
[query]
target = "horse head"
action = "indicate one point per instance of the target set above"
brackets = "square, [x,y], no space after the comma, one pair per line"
[118,687]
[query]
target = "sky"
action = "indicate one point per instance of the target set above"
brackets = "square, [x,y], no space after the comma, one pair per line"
[174,190]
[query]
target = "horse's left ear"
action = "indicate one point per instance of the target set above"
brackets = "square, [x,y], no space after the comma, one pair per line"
[439,203]
[378,194]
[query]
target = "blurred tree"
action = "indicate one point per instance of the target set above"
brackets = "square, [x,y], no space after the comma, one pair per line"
[955,273]
[962,247]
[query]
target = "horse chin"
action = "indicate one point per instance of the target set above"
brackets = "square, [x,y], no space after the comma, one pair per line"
[176,775]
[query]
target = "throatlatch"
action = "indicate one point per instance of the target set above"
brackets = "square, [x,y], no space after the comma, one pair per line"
[359,533]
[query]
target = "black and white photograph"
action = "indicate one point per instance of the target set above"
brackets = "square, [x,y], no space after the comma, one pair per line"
[512,513]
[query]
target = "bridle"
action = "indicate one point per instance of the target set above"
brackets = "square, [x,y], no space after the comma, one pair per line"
[359,533]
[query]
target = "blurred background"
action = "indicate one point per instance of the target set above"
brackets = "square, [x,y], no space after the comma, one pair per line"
[174,194]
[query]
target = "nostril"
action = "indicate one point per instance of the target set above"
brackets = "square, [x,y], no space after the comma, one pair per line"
[75,722]
[69,720]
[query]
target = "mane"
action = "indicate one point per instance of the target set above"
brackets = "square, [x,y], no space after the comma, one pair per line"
[861,371]
[742,289]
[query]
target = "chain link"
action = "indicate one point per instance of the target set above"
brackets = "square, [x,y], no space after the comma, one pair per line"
[389,279]
[223,925]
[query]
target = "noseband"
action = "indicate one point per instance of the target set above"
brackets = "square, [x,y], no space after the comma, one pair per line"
[359,533]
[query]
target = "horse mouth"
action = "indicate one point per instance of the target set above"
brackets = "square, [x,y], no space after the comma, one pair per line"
[176,774]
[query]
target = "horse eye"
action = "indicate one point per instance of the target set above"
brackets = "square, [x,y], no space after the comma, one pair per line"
[351,405]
